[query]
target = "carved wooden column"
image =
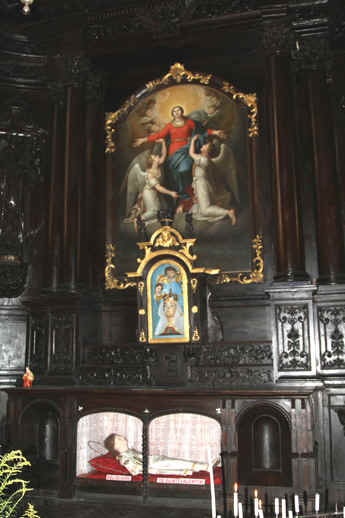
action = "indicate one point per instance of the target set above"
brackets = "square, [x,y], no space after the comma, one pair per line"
[289,239]
[55,221]
[92,220]
[305,166]
[68,442]
[339,123]
[67,204]
[73,168]
[303,448]
[328,205]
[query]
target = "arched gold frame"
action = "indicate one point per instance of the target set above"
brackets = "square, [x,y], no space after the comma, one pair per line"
[150,334]
[177,75]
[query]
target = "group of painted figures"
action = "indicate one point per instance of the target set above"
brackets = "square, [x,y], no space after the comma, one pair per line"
[182,171]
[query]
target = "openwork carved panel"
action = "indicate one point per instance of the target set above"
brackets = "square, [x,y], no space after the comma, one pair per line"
[293,338]
[340,411]
[230,364]
[117,366]
[38,342]
[21,144]
[12,344]
[62,356]
[331,321]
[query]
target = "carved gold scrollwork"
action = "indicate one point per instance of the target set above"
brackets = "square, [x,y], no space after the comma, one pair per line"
[176,75]
[256,275]
[111,281]
[181,249]
[196,336]
[194,284]
[250,100]
[166,239]
[142,337]
[141,287]
[172,241]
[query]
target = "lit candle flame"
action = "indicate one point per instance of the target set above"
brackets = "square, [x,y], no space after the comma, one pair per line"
[235,487]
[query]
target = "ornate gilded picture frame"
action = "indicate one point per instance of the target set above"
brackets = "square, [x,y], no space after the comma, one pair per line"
[185,144]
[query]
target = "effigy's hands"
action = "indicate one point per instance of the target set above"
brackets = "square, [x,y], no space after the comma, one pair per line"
[195,137]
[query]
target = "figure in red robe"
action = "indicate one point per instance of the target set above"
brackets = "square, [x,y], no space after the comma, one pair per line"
[179,164]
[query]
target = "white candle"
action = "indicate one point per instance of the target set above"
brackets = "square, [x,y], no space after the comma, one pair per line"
[283,508]
[261,513]
[240,510]
[296,504]
[290,514]
[235,499]
[317,502]
[343,512]
[213,495]
[256,503]
[276,506]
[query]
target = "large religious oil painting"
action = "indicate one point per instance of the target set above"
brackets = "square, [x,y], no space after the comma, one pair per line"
[185,146]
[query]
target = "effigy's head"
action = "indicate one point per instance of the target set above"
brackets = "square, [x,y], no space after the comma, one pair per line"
[116,443]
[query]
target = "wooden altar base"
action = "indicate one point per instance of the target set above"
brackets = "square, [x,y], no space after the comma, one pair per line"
[108,507]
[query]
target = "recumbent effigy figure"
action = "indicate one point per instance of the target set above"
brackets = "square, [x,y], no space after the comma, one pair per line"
[132,460]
